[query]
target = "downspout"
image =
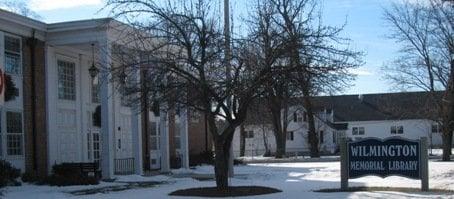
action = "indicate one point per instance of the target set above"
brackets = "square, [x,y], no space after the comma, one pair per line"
[32,44]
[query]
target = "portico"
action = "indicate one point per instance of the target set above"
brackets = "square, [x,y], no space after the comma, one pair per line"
[118,139]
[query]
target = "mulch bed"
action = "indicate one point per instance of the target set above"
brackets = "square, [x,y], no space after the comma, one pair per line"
[396,189]
[231,192]
[117,188]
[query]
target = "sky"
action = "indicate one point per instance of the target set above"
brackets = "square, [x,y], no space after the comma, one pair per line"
[365,26]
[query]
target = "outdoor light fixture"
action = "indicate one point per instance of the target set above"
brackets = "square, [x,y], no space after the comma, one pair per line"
[93,70]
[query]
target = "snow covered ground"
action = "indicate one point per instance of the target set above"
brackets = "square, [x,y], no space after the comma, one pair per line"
[296,180]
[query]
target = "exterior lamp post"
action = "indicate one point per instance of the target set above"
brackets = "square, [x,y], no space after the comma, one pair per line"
[93,70]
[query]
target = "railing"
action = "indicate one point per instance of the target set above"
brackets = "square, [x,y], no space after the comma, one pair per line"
[124,166]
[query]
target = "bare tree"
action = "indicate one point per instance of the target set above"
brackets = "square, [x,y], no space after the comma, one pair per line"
[291,37]
[19,7]
[187,68]
[425,31]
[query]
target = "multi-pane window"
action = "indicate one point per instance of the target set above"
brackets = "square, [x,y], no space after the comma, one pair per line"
[397,130]
[14,133]
[66,80]
[436,128]
[195,116]
[290,135]
[249,134]
[299,117]
[13,55]
[177,136]
[96,147]
[89,146]
[95,90]
[154,139]
[358,131]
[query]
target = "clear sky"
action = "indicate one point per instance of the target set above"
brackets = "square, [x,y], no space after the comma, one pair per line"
[365,26]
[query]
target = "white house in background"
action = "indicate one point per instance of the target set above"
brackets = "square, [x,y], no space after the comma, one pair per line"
[51,120]
[406,114]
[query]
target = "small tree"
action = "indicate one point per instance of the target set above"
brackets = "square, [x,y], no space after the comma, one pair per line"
[186,66]
[288,35]
[425,31]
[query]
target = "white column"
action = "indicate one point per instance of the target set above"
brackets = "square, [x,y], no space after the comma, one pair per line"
[164,138]
[184,138]
[137,140]
[107,123]
[136,129]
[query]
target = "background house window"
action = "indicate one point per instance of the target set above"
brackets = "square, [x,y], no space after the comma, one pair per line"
[322,139]
[195,116]
[295,117]
[14,133]
[66,80]
[397,130]
[290,135]
[358,131]
[249,134]
[436,128]
[13,55]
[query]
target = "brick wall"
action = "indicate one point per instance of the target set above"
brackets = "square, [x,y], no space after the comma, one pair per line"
[40,150]
[198,140]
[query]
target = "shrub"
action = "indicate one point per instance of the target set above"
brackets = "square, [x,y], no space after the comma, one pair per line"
[202,158]
[67,174]
[8,174]
[30,177]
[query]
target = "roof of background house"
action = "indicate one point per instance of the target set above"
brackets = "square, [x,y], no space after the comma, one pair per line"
[383,106]
[365,107]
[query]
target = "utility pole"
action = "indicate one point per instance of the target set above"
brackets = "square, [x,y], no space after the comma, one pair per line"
[228,69]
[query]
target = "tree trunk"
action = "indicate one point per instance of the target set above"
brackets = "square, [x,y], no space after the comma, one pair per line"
[280,147]
[221,165]
[279,134]
[242,140]
[447,145]
[448,115]
[312,134]
[265,143]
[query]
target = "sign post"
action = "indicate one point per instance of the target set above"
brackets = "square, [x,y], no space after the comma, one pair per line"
[424,165]
[344,163]
[383,158]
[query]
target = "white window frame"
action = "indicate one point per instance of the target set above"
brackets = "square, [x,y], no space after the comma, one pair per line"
[20,54]
[64,59]
[5,127]
[195,116]
[290,136]
[437,127]
[177,136]
[394,129]
[249,134]
[358,130]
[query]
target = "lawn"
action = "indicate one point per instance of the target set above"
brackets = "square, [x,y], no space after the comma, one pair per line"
[296,180]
